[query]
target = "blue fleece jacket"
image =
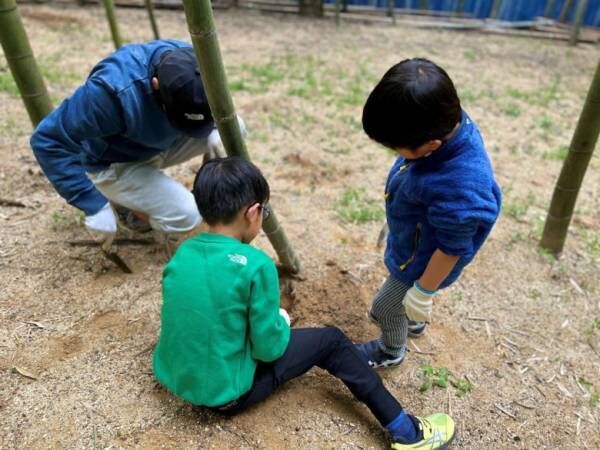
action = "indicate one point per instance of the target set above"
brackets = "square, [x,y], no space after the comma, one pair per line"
[113,117]
[448,201]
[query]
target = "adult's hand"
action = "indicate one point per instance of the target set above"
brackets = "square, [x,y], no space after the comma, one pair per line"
[214,139]
[103,221]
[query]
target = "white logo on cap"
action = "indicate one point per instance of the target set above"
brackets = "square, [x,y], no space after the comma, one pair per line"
[194,116]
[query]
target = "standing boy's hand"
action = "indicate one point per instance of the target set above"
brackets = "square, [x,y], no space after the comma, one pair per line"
[418,303]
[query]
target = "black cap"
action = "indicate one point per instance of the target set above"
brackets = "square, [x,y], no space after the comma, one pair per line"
[181,92]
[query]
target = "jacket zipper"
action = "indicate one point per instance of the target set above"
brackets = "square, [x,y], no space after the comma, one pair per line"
[415,248]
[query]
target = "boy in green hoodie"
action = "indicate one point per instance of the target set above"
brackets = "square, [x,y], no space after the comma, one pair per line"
[226,344]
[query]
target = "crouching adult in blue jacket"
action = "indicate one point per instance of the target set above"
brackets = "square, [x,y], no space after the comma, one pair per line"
[141,110]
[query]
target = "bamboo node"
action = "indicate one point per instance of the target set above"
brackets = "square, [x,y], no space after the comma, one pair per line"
[225,118]
[203,34]
[562,218]
[36,94]
[23,56]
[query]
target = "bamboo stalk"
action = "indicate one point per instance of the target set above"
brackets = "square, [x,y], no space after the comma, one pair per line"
[495,9]
[549,8]
[392,10]
[424,4]
[109,7]
[579,13]
[573,170]
[200,21]
[153,23]
[460,7]
[22,64]
[565,10]
[337,12]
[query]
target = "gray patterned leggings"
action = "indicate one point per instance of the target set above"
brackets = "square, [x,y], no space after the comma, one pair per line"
[387,311]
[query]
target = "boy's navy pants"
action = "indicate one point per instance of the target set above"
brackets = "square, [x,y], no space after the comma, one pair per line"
[330,349]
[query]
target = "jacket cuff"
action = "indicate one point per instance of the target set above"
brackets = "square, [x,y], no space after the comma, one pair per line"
[90,201]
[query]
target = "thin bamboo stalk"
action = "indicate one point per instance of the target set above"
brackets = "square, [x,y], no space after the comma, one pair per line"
[565,10]
[21,62]
[202,30]
[109,7]
[424,4]
[549,8]
[153,23]
[573,170]
[392,10]
[460,7]
[579,13]
[496,9]
[337,12]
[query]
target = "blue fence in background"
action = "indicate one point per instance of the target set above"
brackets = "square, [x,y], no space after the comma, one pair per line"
[511,10]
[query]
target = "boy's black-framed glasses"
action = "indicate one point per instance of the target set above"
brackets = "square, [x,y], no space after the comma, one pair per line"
[265,208]
[266,211]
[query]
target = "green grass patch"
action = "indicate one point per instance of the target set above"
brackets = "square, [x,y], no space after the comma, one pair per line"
[515,208]
[356,206]
[557,154]
[592,243]
[7,83]
[512,110]
[546,123]
[470,55]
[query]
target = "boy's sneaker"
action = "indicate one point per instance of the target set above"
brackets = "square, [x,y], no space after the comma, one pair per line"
[415,329]
[127,219]
[377,358]
[435,432]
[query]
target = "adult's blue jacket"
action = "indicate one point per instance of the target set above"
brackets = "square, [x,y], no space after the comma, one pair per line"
[113,117]
[448,201]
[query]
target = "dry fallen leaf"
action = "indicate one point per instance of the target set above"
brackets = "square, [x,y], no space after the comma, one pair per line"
[25,372]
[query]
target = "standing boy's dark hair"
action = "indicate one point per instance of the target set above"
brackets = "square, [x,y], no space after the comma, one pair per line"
[414,102]
[223,186]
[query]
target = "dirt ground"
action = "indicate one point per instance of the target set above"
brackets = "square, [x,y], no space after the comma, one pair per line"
[76,333]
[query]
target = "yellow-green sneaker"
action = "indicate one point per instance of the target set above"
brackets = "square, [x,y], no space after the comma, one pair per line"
[435,432]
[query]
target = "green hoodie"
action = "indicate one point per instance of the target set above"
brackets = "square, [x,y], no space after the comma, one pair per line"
[220,316]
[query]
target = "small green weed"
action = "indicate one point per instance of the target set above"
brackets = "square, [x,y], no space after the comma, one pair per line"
[469,55]
[441,377]
[546,254]
[515,208]
[546,122]
[355,206]
[517,93]
[592,244]
[466,95]
[595,399]
[462,387]
[594,394]
[512,110]
[587,384]
[558,154]
[7,83]
[549,93]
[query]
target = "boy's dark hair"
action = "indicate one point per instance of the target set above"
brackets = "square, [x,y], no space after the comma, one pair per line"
[414,102]
[223,186]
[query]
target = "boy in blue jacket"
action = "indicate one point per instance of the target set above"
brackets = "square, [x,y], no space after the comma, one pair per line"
[441,198]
